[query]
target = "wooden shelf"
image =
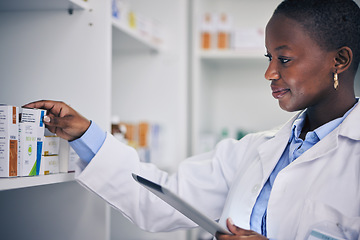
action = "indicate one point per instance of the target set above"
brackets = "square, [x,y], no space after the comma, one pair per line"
[141,42]
[24,182]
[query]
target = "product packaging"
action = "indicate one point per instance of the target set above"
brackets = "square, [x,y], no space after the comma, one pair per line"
[207,28]
[49,165]
[34,118]
[27,149]
[67,157]
[51,145]
[9,132]
[50,155]
[224,28]
[248,39]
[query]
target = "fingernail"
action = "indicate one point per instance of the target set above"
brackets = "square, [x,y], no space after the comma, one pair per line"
[47,119]
[230,221]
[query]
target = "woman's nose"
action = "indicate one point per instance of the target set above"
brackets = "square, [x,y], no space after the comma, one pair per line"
[272,72]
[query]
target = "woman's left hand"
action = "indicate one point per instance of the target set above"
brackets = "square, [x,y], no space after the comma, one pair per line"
[239,233]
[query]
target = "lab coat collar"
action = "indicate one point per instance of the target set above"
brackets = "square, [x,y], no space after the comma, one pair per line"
[350,126]
[271,150]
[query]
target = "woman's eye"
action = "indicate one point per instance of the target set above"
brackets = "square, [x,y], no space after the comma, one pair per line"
[284,60]
[268,56]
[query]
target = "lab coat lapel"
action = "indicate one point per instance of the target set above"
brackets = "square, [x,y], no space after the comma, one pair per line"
[331,141]
[271,151]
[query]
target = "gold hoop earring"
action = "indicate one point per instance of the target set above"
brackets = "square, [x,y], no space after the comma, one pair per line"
[336,80]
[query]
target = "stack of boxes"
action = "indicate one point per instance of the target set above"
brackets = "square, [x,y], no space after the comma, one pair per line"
[24,148]
[9,130]
[50,155]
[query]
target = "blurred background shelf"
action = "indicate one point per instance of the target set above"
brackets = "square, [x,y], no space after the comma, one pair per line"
[43,5]
[124,36]
[231,54]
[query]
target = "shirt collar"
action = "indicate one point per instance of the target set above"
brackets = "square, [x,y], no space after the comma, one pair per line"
[321,131]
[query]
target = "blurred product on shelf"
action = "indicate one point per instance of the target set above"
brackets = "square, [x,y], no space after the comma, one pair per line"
[247,39]
[217,32]
[148,28]
[208,140]
[223,30]
[143,136]
[207,29]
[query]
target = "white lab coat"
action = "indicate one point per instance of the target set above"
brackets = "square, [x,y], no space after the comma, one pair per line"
[319,190]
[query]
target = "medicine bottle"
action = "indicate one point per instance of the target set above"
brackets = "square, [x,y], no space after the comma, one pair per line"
[206,30]
[223,31]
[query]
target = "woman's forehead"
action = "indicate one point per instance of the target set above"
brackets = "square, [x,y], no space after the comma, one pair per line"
[285,33]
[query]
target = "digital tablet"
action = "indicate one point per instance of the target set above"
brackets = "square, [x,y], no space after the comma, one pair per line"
[175,201]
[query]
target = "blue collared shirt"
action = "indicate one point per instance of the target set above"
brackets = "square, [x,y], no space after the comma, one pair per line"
[89,143]
[295,147]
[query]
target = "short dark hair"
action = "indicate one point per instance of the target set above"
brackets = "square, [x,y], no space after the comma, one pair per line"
[331,23]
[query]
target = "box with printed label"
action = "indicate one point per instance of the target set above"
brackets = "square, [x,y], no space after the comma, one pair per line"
[9,132]
[27,149]
[36,116]
[49,165]
[51,145]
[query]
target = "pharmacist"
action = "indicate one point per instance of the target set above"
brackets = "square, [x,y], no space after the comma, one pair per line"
[301,181]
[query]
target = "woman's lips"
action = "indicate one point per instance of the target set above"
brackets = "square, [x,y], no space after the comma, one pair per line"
[279,92]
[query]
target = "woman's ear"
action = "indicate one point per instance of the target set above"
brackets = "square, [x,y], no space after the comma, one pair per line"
[343,59]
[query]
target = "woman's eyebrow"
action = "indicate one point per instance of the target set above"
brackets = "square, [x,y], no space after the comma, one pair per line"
[282,47]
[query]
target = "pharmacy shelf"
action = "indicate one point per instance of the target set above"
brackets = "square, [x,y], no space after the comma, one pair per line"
[141,41]
[231,54]
[81,4]
[24,182]
[25,5]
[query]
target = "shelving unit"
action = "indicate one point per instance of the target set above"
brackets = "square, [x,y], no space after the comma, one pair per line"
[231,54]
[43,5]
[82,4]
[149,83]
[133,39]
[25,182]
[47,52]
[230,93]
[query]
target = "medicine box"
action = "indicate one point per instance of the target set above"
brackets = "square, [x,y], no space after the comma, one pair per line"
[49,165]
[51,145]
[35,117]
[9,131]
[27,149]
[67,157]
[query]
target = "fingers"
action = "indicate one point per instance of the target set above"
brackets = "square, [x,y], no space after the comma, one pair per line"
[234,229]
[43,104]
[239,233]
[62,119]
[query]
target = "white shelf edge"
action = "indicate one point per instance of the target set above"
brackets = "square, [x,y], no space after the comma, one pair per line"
[81,4]
[32,181]
[231,54]
[136,35]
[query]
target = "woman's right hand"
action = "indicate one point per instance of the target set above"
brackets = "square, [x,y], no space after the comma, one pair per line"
[61,119]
